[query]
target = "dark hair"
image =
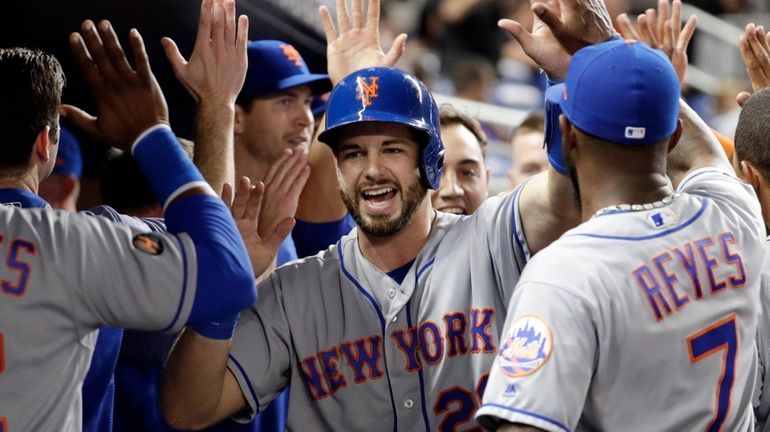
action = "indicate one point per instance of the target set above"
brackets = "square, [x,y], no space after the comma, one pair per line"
[124,186]
[534,122]
[31,83]
[449,115]
[752,135]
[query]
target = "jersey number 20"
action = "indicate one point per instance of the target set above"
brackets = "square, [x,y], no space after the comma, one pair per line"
[720,337]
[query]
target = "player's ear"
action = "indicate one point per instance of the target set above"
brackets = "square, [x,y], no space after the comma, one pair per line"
[240,115]
[674,140]
[42,146]
[751,175]
[568,134]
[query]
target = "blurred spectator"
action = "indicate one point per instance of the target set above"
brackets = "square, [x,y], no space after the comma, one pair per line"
[473,77]
[465,179]
[528,157]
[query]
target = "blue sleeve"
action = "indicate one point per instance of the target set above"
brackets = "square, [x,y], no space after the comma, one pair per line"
[287,252]
[150,224]
[311,238]
[225,279]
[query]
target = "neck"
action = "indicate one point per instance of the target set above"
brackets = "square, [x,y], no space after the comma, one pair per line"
[247,165]
[27,181]
[391,252]
[608,190]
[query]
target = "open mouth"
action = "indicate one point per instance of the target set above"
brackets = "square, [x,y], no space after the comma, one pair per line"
[455,210]
[379,198]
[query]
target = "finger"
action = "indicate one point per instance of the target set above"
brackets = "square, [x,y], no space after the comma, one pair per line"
[241,197]
[328,24]
[761,55]
[218,25]
[396,50]
[254,204]
[114,50]
[357,13]
[297,164]
[243,35]
[742,98]
[763,38]
[753,68]
[662,17]
[286,154]
[559,30]
[227,195]
[81,119]
[343,22]
[676,19]
[230,23]
[626,28]
[84,61]
[296,186]
[203,35]
[667,44]
[683,41]
[373,17]
[174,57]
[96,48]
[140,55]
[519,33]
[643,21]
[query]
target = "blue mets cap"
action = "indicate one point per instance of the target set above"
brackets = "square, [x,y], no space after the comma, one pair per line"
[275,65]
[68,160]
[318,106]
[622,91]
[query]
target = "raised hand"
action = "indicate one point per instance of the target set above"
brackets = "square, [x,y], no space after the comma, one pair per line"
[660,31]
[245,209]
[754,45]
[355,43]
[284,182]
[127,101]
[217,66]
[560,28]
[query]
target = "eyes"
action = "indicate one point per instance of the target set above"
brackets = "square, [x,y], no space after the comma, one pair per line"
[287,101]
[357,153]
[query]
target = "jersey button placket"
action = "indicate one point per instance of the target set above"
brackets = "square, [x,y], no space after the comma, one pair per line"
[409,403]
[391,293]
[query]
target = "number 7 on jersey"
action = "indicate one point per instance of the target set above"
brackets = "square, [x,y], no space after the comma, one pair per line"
[721,336]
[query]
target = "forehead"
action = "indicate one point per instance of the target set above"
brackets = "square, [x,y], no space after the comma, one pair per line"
[460,143]
[363,132]
[301,91]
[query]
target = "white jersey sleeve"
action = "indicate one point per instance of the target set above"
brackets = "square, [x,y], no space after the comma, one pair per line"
[762,388]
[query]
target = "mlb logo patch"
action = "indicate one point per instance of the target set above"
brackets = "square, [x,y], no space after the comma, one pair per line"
[663,218]
[635,132]
[526,347]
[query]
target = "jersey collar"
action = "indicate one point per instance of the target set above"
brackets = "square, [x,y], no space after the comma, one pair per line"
[21,198]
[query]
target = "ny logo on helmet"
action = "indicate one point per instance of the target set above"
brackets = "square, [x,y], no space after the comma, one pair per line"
[367,92]
[292,54]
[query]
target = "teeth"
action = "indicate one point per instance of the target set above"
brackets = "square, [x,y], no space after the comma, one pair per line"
[378,192]
[455,210]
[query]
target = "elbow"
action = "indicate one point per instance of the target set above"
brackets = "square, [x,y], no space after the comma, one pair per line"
[179,416]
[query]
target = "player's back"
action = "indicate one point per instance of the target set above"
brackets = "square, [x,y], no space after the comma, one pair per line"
[63,276]
[672,294]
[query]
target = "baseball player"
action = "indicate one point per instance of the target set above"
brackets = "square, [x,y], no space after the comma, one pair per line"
[750,157]
[465,177]
[53,299]
[669,313]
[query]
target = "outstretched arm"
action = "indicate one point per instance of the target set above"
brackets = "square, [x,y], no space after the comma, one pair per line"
[353,44]
[214,76]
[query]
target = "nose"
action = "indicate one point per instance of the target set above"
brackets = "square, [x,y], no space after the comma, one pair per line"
[374,168]
[449,186]
[304,116]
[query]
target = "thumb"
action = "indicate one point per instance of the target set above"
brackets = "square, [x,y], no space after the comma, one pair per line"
[396,50]
[279,234]
[518,32]
[173,55]
[81,119]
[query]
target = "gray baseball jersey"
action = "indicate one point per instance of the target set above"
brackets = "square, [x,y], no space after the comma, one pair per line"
[762,389]
[63,276]
[639,320]
[362,352]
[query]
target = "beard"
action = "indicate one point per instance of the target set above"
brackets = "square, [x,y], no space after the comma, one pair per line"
[573,176]
[385,225]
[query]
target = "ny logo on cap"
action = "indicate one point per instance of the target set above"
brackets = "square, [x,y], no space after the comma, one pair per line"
[292,54]
[367,92]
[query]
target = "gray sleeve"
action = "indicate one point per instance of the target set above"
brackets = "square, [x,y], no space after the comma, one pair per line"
[260,357]
[497,225]
[543,369]
[121,276]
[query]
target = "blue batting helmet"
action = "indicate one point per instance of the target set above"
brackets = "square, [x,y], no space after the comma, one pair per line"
[383,94]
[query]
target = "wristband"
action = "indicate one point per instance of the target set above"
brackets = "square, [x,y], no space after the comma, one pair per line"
[167,167]
[222,329]
[553,136]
